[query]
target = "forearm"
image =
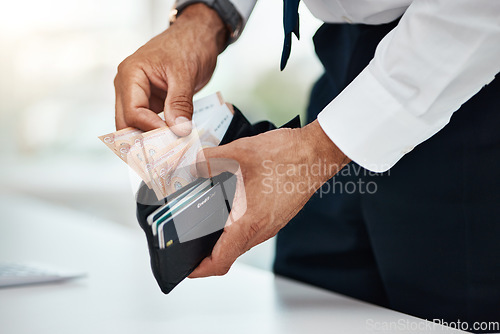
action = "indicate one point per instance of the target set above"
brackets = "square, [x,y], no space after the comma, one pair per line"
[317,148]
[233,13]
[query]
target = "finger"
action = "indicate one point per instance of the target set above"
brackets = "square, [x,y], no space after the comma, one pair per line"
[146,120]
[119,118]
[216,160]
[157,98]
[239,204]
[203,269]
[230,107]
[134,93]
[228,248]
[210,162]
[179,106]
[156,104]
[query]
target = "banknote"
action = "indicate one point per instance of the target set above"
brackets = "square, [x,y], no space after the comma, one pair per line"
[204,108]
[164,161]
[121,141]
[209,134]
[124,144]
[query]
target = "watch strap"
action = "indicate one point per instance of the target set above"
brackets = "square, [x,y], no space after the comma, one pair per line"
[226,10]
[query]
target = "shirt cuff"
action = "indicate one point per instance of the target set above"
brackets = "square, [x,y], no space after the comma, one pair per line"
[370,126]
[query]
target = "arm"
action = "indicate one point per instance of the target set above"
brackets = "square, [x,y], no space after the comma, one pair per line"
[439,56]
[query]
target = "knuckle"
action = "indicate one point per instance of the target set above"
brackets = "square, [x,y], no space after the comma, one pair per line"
[221,271]
[248,234]
[221,267]
[132,118]
[118,124]
[123,66]
[123,70]
[253,229]
[182,103]
[191,63]
[128,64]
[248,230]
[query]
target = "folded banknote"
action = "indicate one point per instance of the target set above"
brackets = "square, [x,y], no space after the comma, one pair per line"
[165,161]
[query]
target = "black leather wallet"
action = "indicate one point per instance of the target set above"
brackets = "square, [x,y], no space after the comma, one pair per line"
[194,234]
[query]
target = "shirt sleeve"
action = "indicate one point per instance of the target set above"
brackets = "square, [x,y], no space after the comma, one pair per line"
[243,7]
[440,55]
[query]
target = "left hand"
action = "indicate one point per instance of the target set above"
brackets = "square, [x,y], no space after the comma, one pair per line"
[276,168]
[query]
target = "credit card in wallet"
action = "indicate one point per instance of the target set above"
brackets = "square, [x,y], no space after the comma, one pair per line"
[166,221]
[173,200]
[203,215]
[178,205]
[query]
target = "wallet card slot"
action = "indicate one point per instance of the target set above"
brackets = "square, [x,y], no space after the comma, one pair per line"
[213,223]
[198,210]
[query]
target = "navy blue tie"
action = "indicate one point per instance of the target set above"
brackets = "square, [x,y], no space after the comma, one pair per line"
[290,24]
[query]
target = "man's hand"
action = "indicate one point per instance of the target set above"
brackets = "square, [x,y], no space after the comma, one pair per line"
[281,170]
[164,74]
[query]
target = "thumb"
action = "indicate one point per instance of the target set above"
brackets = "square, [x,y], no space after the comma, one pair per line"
[179,107]
[217,160]
[213,161]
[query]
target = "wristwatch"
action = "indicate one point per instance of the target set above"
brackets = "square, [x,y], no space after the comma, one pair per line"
[226,10]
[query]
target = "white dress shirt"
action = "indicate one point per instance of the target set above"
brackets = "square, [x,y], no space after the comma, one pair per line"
[440,55]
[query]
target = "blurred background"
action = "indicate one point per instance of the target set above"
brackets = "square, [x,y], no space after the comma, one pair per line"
[58,60]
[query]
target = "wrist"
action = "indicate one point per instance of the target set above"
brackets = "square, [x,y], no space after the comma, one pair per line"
[207,22]
[320,148]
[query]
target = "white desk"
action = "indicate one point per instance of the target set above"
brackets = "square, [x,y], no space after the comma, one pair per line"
[120,294]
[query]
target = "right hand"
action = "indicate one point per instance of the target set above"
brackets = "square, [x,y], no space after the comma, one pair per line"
[164,74]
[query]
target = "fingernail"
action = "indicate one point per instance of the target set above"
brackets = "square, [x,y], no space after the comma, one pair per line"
[183,126]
